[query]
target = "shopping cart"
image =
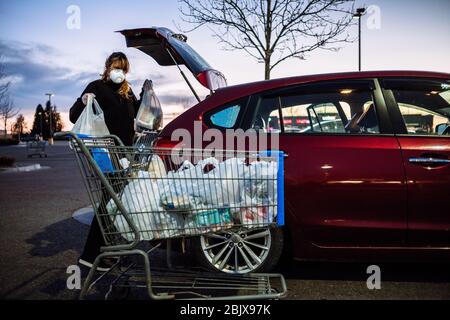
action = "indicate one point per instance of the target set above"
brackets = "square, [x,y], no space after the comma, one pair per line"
[143,193]
[145,138]
[36,147]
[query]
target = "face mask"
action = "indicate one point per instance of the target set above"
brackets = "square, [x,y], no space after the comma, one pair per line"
[117,76]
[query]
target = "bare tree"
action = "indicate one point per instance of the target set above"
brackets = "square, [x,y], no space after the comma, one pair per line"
[7,111]
[273,31]
[7,108]
[4,83]
[19,126]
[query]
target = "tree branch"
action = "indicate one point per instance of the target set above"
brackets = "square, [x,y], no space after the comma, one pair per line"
[281,29]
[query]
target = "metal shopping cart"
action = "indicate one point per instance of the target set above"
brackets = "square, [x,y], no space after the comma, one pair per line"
[143,194]
[36,147]
[145,138]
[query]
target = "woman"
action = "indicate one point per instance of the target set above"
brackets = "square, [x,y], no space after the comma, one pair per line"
[120,107]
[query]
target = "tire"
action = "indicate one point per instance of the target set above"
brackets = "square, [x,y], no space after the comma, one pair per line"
[268,258]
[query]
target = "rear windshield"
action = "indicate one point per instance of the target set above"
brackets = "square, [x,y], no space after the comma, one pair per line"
[193,60]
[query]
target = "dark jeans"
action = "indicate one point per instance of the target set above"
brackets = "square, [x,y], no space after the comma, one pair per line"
[93,242]
[95,238]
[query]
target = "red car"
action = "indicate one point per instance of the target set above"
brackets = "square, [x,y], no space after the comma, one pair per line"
[368,169]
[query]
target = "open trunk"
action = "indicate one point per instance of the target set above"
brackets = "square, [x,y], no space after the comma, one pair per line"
[169,48]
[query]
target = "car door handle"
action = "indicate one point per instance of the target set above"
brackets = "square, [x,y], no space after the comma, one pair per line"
[425,161]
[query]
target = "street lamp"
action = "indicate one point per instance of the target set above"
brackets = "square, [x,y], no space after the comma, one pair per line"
[50,139]
[358,14]
[40,116]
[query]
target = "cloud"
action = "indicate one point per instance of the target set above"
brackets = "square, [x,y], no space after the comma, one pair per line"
[35,69]
[12,80]
[178,99]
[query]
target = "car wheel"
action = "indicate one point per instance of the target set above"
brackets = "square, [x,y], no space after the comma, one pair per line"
[239,251]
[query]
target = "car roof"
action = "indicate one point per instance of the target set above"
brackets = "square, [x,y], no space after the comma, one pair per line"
[253,87]
[231,93]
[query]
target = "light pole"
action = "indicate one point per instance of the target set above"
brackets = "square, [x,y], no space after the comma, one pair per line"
[40,116]
[50,139]
[358,14]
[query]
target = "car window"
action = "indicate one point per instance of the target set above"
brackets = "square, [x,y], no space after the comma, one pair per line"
[226,118]
[341,112]
[326,118]
[425,107]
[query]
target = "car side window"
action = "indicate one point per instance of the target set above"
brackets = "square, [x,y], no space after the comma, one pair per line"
[326,118]
[424,105]
[226,118]
[343,111]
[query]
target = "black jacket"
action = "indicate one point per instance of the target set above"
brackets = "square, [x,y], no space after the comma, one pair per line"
[119,112]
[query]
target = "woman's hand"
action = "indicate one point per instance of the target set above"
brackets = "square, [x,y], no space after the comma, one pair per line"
[84,98]
[148,84]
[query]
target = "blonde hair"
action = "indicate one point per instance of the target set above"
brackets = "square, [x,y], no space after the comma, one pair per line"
[118,60]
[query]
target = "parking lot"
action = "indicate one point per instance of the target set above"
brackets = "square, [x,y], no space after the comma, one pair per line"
[40,239]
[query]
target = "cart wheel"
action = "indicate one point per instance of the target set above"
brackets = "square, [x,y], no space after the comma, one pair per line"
[274,291]
[119,293]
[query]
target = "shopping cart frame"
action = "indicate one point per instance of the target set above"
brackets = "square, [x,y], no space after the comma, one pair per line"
[36,148]
[130,249]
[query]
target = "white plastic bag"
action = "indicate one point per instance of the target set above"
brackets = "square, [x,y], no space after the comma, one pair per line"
[211,199]
[91,121]
[141,199]
[150,113]
[188,187]
[156,168]
[259,194]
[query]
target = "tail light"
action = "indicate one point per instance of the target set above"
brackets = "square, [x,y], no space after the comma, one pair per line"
[212,79]
[166,143]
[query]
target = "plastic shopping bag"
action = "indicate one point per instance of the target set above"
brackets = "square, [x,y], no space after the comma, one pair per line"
[141,200]
[91,121]
[150,114]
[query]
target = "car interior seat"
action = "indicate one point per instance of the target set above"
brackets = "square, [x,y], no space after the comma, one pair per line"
[363,120]
[368,119]
[352,125]
[259,124]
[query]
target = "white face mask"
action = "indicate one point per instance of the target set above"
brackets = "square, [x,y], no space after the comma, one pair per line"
[117,76]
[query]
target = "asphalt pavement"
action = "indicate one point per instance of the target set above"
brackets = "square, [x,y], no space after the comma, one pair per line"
[39,239]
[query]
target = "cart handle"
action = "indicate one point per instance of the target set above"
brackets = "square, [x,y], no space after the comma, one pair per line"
[73,135]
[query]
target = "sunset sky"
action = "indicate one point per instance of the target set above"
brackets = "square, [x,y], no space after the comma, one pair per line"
[42,55]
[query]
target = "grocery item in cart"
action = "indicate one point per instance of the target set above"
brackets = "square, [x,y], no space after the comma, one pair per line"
[210,183]
[176,202]
[156,167]
[195,199]
[141,200]
[208,220]
[214,219]
[259,194]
